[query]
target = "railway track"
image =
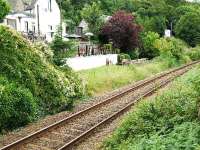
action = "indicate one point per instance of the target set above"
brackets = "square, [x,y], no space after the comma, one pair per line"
[67,132]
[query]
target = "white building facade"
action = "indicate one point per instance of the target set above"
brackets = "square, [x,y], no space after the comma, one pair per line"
[41,17]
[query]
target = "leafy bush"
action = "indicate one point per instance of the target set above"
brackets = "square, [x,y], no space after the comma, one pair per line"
[122,56]
[148,48]
[17,105]
[20,62]
[170,120]
[172,50]
[45,50]
[63,49]
[184,136]
[194,53]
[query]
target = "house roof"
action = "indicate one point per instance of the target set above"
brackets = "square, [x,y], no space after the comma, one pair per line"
[21,5]
[31,4]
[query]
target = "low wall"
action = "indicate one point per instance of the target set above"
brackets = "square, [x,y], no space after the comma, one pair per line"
[89,62]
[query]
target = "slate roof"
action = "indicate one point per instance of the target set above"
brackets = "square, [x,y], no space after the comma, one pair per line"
[21,5]
[31,4]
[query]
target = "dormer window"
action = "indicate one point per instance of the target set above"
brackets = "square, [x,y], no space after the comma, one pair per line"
[50,5]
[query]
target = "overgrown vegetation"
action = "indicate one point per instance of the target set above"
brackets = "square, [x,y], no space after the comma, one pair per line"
[4,7]
[108,78]
[17,105]
[62,49]
[30,83]
[168,121]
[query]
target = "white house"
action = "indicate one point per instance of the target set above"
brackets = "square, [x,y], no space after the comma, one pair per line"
[41,17]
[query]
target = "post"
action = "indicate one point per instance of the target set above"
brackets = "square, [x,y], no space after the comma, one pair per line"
[38,17]
[60,5]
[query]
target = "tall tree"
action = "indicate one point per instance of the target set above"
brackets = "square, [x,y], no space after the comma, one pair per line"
[93,15]
[122,31]
[4,9]
[188,28]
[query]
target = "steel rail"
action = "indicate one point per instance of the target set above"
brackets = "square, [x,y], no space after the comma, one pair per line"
[120,112]
[107,100]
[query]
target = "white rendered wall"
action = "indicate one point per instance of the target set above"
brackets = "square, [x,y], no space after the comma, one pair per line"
[47,17]
[83,63]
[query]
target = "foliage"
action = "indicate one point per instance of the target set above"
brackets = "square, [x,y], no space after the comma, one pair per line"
[122,56]
[172,50]
[155,24]
[45,50]
[169,120]
[53,88]
[194,53]
[184,136]
[17,105]
[58,44]
[148,48]
[188,28]
[121,31]
[109,7]
[4,7]
[62,49]
[92,14]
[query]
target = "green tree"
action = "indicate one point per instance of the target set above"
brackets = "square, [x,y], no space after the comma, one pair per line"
[4,9]
[151,14]
[111,6]
[155,24]
[148,48]
[93,15]
[188,28]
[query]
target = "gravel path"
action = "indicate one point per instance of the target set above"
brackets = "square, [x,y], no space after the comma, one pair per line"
[95,141]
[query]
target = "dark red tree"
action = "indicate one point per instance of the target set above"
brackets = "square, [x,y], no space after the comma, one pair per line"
[122,31]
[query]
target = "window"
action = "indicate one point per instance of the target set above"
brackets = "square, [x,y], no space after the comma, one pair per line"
[50,28]
[26,26]
[12,23]
[79,30]
[49,6]
[66,29]
[52,33]
[33,29]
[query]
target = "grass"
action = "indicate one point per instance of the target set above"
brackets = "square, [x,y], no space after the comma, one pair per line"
[108,78]
[168,121]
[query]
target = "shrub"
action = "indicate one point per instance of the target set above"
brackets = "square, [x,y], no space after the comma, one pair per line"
[172,50]
[170,120]
[123,56]
[194,53]
[45,50]
[148,48]
[20,62]
[122,30]
[184,136]
[63,49]
[17,105]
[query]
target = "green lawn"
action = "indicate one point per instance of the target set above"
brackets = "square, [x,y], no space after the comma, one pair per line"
[108,78]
